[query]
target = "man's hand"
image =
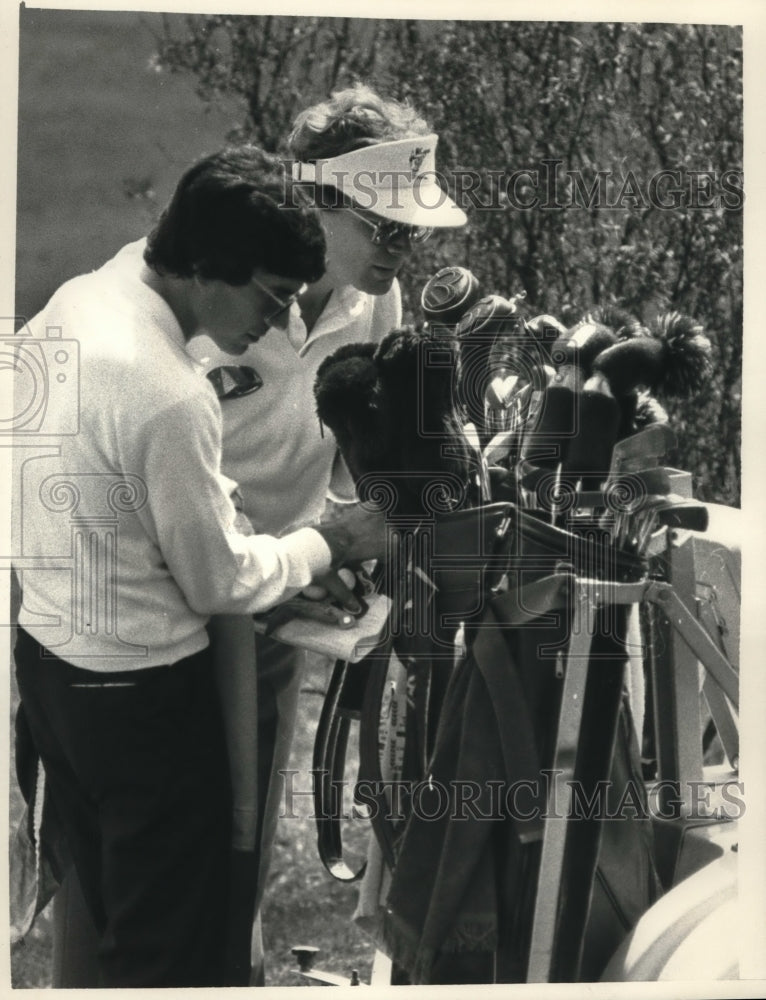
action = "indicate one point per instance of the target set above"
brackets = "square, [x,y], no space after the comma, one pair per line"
[355,536]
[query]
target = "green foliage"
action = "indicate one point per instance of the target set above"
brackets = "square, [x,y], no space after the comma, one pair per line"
[595,113]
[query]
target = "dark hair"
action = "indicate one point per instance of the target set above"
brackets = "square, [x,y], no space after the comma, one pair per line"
[349,120]
[225,220]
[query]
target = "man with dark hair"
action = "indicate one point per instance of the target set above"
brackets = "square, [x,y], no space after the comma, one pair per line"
[215,224]
[112,658]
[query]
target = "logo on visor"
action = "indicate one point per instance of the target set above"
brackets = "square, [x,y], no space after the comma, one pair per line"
[416,159]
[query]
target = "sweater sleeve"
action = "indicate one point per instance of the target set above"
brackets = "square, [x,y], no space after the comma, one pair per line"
[191,516]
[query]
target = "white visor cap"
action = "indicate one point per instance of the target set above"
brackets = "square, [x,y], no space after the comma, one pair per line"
[395,180]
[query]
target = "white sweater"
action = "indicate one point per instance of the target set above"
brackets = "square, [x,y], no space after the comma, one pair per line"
[124,535]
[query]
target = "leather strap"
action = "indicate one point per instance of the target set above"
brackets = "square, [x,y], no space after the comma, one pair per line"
[330,743]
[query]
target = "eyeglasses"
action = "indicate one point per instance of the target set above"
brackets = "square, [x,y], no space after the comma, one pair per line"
[278,315]
[384,231]
[231,381]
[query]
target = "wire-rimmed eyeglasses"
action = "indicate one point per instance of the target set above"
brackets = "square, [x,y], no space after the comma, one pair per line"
[279,314]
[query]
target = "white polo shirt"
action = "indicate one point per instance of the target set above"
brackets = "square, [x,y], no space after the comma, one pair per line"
[273,445]
[124,529]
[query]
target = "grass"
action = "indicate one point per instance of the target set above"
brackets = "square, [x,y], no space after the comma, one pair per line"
[102,140]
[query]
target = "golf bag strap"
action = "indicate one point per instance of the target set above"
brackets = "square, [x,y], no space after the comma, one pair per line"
[330,731]
[494,658]
[354,693]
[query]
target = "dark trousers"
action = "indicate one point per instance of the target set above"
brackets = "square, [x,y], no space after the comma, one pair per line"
[136,767]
